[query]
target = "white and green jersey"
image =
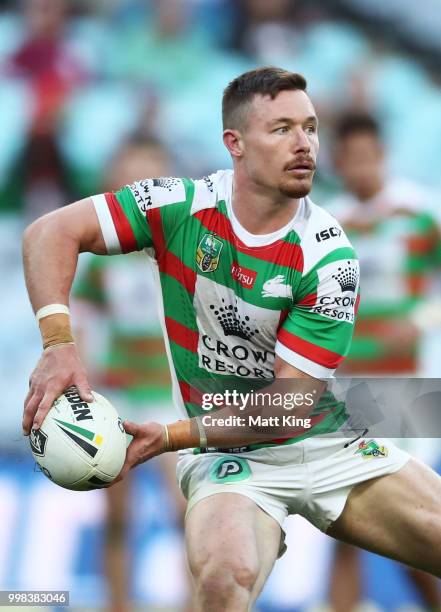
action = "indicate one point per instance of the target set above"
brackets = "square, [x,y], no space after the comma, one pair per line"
[232,300]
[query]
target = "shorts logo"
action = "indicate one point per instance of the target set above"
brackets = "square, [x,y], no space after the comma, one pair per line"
[242,275]
[370,450]
[229,470]
[208,253]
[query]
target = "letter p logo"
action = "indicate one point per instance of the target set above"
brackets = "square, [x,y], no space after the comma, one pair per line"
[229,470]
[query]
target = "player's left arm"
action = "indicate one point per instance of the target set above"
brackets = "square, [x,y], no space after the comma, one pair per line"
[151,439]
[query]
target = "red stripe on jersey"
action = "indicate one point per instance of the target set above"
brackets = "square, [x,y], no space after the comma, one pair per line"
[168,262]
[123,228]
[155,223]
[308,300]
[175,267]
[282,317]
[280,252]
[421,245]
[357,304]
[416,284]
[311,351]
[190,394]
[182,335]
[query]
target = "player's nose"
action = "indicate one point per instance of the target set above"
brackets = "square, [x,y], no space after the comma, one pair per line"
[300,141]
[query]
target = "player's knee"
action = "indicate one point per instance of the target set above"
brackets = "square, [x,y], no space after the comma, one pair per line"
[226,578]
[432,531]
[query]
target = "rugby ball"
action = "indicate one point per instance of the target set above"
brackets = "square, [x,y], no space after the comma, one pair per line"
[80,446]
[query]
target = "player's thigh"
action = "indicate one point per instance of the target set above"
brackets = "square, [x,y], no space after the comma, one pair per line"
[397,515]
[230,531]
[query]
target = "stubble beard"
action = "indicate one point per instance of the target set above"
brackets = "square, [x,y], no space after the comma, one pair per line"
[296,189]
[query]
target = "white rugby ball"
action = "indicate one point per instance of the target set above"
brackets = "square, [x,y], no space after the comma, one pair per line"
[80,446]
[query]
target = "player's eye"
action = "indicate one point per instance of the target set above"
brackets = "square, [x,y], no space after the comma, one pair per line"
[311,129]
[283,129]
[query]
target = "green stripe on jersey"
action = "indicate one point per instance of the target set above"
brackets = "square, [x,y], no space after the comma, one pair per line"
[333,335]
[336,255]
[136,219]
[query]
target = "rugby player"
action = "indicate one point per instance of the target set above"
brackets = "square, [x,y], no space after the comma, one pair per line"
[131,367]
[256,282]
[388,219]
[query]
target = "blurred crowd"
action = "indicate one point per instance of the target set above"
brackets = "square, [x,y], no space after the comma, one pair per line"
[77,77]
[97,93]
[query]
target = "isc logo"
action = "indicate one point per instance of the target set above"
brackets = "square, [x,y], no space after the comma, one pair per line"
[331,232]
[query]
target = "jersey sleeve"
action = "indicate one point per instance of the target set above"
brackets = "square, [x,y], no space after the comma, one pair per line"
[317,332]
[131,219]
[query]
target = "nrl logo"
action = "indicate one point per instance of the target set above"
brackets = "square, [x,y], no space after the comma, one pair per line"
[371,449]
[208,253]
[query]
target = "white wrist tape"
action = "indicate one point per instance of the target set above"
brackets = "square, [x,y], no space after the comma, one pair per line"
[51,309]
[203,436]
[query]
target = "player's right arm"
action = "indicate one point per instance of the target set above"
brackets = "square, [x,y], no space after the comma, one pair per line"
[50,253]
[104,224]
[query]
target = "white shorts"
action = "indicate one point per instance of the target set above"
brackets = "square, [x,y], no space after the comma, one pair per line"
[316,486]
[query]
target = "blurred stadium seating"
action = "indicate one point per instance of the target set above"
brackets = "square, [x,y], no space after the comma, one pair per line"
[76,84]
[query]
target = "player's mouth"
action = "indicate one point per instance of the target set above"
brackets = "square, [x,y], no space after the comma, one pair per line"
[301,169]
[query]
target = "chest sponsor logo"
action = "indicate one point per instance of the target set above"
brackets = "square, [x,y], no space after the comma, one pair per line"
[244,276]
[208,253]
[337,290]
[277,288]
[236,338]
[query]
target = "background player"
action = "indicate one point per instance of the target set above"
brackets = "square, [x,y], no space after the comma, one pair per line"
[389,222]
[117,296]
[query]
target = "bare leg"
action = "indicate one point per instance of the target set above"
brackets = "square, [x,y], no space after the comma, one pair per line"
[115,552]
[397,516]
[345,590]
[167,464]
[428,587]
[232,545]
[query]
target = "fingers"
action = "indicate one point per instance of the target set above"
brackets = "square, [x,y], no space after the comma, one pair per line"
[45,405]
[56,370]
[131,428]
[32,402]
[125,468]
[84,389]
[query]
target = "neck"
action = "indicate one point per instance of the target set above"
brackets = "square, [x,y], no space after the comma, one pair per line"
[258,209]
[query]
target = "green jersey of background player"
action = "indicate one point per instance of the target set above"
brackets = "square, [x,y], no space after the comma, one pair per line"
[246,286]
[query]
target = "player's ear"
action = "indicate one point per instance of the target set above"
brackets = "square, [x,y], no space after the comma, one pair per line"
[234,142]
